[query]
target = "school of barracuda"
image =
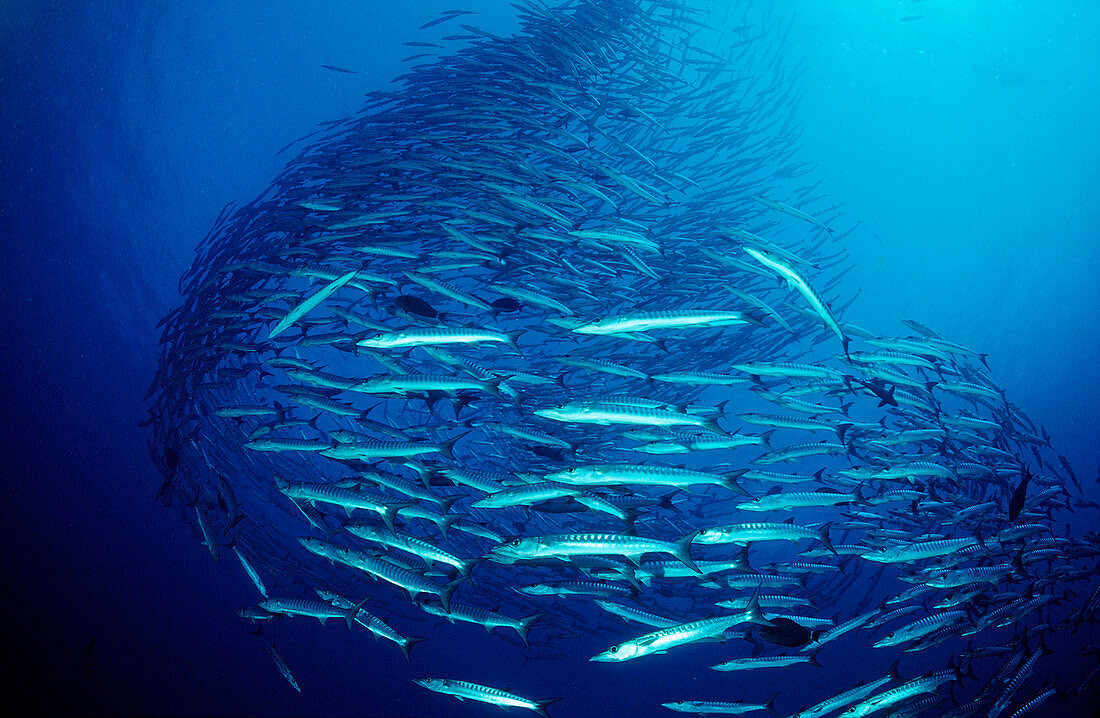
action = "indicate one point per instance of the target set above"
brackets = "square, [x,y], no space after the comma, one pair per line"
[549,338]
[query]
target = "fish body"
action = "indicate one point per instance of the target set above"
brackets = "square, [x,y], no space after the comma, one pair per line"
[465,690]
[565,546]
[650,321]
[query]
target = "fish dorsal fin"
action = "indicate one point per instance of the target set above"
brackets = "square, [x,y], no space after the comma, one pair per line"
[775,490]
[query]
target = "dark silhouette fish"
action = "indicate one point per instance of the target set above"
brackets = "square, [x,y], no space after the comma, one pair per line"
[785,632]
[171,459]
[415,305]
[878,388]
[506,304]
[90,657]
[1016,503]
[334,68]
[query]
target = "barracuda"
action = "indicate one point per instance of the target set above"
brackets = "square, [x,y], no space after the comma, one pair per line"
[881,701]
[785,371]
[313,609]
[411,544]
[690,445]
[344,498]
[630,613]
[448,291]
[309,304]
[430,336]
[753,664]
[920,628]
[532,435]
[787,501]
[523,496]
[368,450]
[649,321]
[602,365]
[839,630]
[846,698]
[402,385]
[921,550]
[533,297]
[463,690]
[747,533]
[612,474]
[271,443]
[662,640]
[413,583]
[482,617]
[372,623]
[595,413]
[699,378]
[798,283]
[706,708]
[565,546]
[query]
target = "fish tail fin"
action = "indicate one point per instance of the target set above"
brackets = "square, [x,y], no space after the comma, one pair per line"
[542,705]
[769,705]
[729,480]
[753,614]
[753,316]
[445,525]
[823,536]
[467,566]
[683,551]
[446,591]
[766,437]
[712,425]
[390,512]
[408,643]
[492,386]
[447,447]
[525,626]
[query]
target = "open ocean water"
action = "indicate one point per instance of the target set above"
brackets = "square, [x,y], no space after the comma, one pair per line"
[950,148]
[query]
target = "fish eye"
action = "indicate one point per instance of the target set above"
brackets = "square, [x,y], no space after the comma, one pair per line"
[613,649]
[514,542]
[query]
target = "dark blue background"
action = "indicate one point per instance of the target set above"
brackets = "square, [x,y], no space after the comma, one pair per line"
[965,142]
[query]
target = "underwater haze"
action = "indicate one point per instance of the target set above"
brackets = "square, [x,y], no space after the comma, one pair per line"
[711,357]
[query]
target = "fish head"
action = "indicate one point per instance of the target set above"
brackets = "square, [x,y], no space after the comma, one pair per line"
[562,476]
[378,341]
[682,706]
[310,543]
[557,413]
[515,549]
[887,640]
[620,652]
[538,589]
[711,535]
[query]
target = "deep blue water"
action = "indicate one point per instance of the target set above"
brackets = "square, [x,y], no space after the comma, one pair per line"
[964,142]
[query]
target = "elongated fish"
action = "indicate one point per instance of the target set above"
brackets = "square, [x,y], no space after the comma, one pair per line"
[463,690]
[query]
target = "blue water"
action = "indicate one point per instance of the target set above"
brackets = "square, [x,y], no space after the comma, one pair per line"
[964,142]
